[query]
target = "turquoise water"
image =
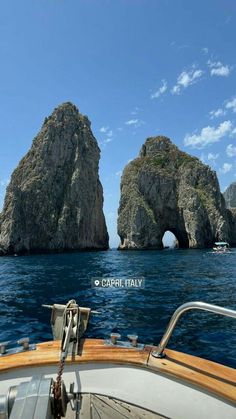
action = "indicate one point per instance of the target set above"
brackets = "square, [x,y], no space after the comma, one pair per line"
[172,277]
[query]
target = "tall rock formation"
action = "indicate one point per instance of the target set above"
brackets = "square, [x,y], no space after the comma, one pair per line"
[165,189]
[232,225]
[230,201]
[54,199]
[230,196]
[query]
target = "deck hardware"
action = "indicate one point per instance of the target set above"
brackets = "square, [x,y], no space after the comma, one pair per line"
[34,399]
[10,348]
[133,339]
[24,342]
[193,305]
[69,322]
[81,308]
[64,328]
[124,344]
[3,346]
[114,338]
[6,402]
[30,399]
[73,398]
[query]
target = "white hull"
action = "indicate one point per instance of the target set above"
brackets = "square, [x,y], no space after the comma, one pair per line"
[151,390]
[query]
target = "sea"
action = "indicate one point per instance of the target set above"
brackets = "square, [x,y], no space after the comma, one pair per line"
[172,278]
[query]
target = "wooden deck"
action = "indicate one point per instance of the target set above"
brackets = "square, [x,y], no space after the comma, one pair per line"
[207,375]
[94,406]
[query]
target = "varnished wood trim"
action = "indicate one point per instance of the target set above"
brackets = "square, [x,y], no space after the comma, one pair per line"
[92,350]
[213,377]
[208,375]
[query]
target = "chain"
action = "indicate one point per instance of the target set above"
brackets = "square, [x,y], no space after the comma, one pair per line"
[67,338]
[57,391]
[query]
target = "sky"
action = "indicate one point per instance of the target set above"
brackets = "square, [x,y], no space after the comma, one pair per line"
[137,68]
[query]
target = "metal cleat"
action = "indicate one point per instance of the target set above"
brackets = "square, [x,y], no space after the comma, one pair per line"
[133,339]
[114,338]
[3,346]
[24,342]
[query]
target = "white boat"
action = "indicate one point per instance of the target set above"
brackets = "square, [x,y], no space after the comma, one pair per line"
[221,247]
[74,377]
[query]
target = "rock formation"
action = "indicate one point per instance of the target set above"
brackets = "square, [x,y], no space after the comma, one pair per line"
[54,199]
[230,201]
[232,225]
[165,189]
[230,196]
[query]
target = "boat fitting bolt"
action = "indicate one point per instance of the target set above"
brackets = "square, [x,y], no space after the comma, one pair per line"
[3,346]
[24,342]
[133,339]
[114,338]
[158,354]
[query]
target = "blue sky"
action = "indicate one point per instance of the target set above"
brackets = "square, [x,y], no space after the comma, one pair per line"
[137,68]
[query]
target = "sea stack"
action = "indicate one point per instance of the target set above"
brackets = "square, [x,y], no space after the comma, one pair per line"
[230,195]
[230,201]
[54,201]
[165,189]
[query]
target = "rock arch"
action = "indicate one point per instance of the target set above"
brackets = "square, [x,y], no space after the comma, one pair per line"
[181,237]
[167,189]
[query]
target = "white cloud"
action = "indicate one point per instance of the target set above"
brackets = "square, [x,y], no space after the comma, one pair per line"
[230,150]
[217,113]
[106,141]
[119,173]
[218,69]
[132,122]
[228,105]
[208,135]
[104,129]
[231,104]
[205,50]
[135,122]
[109,133]
[212,156]
[226,168]
[224,71]
[185,79]
[160,91]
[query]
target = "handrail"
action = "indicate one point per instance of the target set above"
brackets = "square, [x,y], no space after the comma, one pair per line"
[193,305]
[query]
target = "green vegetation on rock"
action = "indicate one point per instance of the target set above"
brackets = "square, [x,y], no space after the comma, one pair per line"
[167,189]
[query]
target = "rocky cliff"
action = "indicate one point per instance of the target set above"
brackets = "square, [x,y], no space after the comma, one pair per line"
[232,225]
[230,201]
[54,199]
[165,189]
[230,196]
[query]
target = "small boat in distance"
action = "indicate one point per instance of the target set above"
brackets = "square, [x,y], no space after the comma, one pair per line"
[221,247]
[75,377]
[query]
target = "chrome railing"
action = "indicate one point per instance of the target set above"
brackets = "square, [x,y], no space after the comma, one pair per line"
[194,305]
